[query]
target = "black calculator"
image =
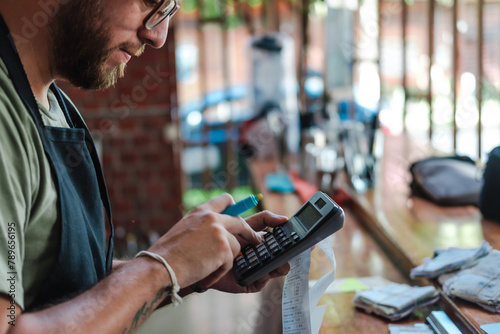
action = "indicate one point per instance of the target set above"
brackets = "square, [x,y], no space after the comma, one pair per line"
[318,218]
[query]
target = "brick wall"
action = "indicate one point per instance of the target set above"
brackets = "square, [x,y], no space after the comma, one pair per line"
[141,164]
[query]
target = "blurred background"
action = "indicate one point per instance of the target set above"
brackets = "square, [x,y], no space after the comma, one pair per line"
[247,79]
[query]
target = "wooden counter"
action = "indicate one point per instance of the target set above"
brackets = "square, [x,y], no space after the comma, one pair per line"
[387,233]
[411,228]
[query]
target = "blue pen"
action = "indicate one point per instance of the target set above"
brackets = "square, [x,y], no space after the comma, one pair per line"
[243,205]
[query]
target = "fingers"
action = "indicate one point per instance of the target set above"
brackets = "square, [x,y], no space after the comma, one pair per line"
[264,219]
[235,225]
[217,204]
[213,277]
[242,231]
[259,284]
[262,282]
[280,271]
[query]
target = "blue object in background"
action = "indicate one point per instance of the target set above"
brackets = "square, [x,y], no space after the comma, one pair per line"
[279,182]
[352,110]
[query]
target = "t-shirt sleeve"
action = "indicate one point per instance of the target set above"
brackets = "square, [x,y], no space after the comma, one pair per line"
[15,200]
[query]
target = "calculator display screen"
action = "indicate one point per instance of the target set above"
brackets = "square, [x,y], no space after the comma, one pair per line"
[308,216]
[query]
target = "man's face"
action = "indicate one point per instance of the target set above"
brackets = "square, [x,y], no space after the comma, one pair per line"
[83,51]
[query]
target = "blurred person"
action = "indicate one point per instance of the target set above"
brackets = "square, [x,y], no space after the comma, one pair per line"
[58,270]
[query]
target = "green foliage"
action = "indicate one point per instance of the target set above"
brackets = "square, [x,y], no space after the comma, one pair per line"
[212,9]
[189,5]
[194,197]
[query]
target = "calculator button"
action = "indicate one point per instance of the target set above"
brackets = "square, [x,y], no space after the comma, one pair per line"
[286,243]
[243,270]
[283,240]
[252,258]
[320,203]
[239,260]
[265,257]
[295,236]
[243,266]
[275,249]
[253,264]
[271,241]
[250,252]
[261,247]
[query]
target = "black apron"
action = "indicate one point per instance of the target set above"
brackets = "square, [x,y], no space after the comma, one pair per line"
[82,260]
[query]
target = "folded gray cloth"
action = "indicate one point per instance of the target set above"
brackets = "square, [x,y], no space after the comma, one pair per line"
[395,301]
[451,259]
[479,284]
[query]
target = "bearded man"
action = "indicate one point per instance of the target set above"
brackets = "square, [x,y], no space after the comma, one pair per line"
[58,269]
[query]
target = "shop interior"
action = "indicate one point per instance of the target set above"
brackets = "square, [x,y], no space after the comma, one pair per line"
[289,97]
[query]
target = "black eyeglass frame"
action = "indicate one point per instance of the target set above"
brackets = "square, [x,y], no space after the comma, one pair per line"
[156,10]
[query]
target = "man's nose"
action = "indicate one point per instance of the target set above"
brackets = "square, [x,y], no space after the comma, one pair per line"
[155,37]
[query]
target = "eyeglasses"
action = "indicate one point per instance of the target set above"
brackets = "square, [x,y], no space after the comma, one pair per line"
[164,9]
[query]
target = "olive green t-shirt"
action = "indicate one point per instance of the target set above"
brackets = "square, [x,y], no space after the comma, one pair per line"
[29,220]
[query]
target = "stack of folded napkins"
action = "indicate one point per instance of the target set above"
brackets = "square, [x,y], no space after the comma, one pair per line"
[479,284]
[449,260]
[413,329]
[395,301]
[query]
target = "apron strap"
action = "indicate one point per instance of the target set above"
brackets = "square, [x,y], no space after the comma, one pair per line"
[75,119]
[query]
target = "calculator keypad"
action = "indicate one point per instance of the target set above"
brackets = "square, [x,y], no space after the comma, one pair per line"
[272,244]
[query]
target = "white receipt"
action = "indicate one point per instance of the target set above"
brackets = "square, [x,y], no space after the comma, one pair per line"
[301,314]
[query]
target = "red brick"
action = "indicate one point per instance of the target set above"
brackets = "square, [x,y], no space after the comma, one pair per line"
[128,124]
[116,142]
[106,125]
[119,175]
[107,158]
[158,222]
[123,206]
[143,139]
[156,188]
[144,172]
[168,173]
[169,204]
[130,157]
[154,157]
[146,205]
[155,122]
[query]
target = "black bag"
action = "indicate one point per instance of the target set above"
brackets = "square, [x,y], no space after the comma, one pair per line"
[453,180]
[489,202]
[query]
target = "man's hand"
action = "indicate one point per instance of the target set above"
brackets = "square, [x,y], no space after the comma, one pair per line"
[202,245]
[228,283]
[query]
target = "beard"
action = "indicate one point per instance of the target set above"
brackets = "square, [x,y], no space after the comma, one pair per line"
[81,45]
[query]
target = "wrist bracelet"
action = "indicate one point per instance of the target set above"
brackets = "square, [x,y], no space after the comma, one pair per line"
[176,299]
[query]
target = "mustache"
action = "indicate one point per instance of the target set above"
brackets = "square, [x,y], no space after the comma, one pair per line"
[139,51]
[134,50]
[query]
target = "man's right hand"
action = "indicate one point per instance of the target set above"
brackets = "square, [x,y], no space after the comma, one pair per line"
[204,243]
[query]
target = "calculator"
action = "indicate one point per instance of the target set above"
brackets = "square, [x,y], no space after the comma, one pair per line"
[317,219]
